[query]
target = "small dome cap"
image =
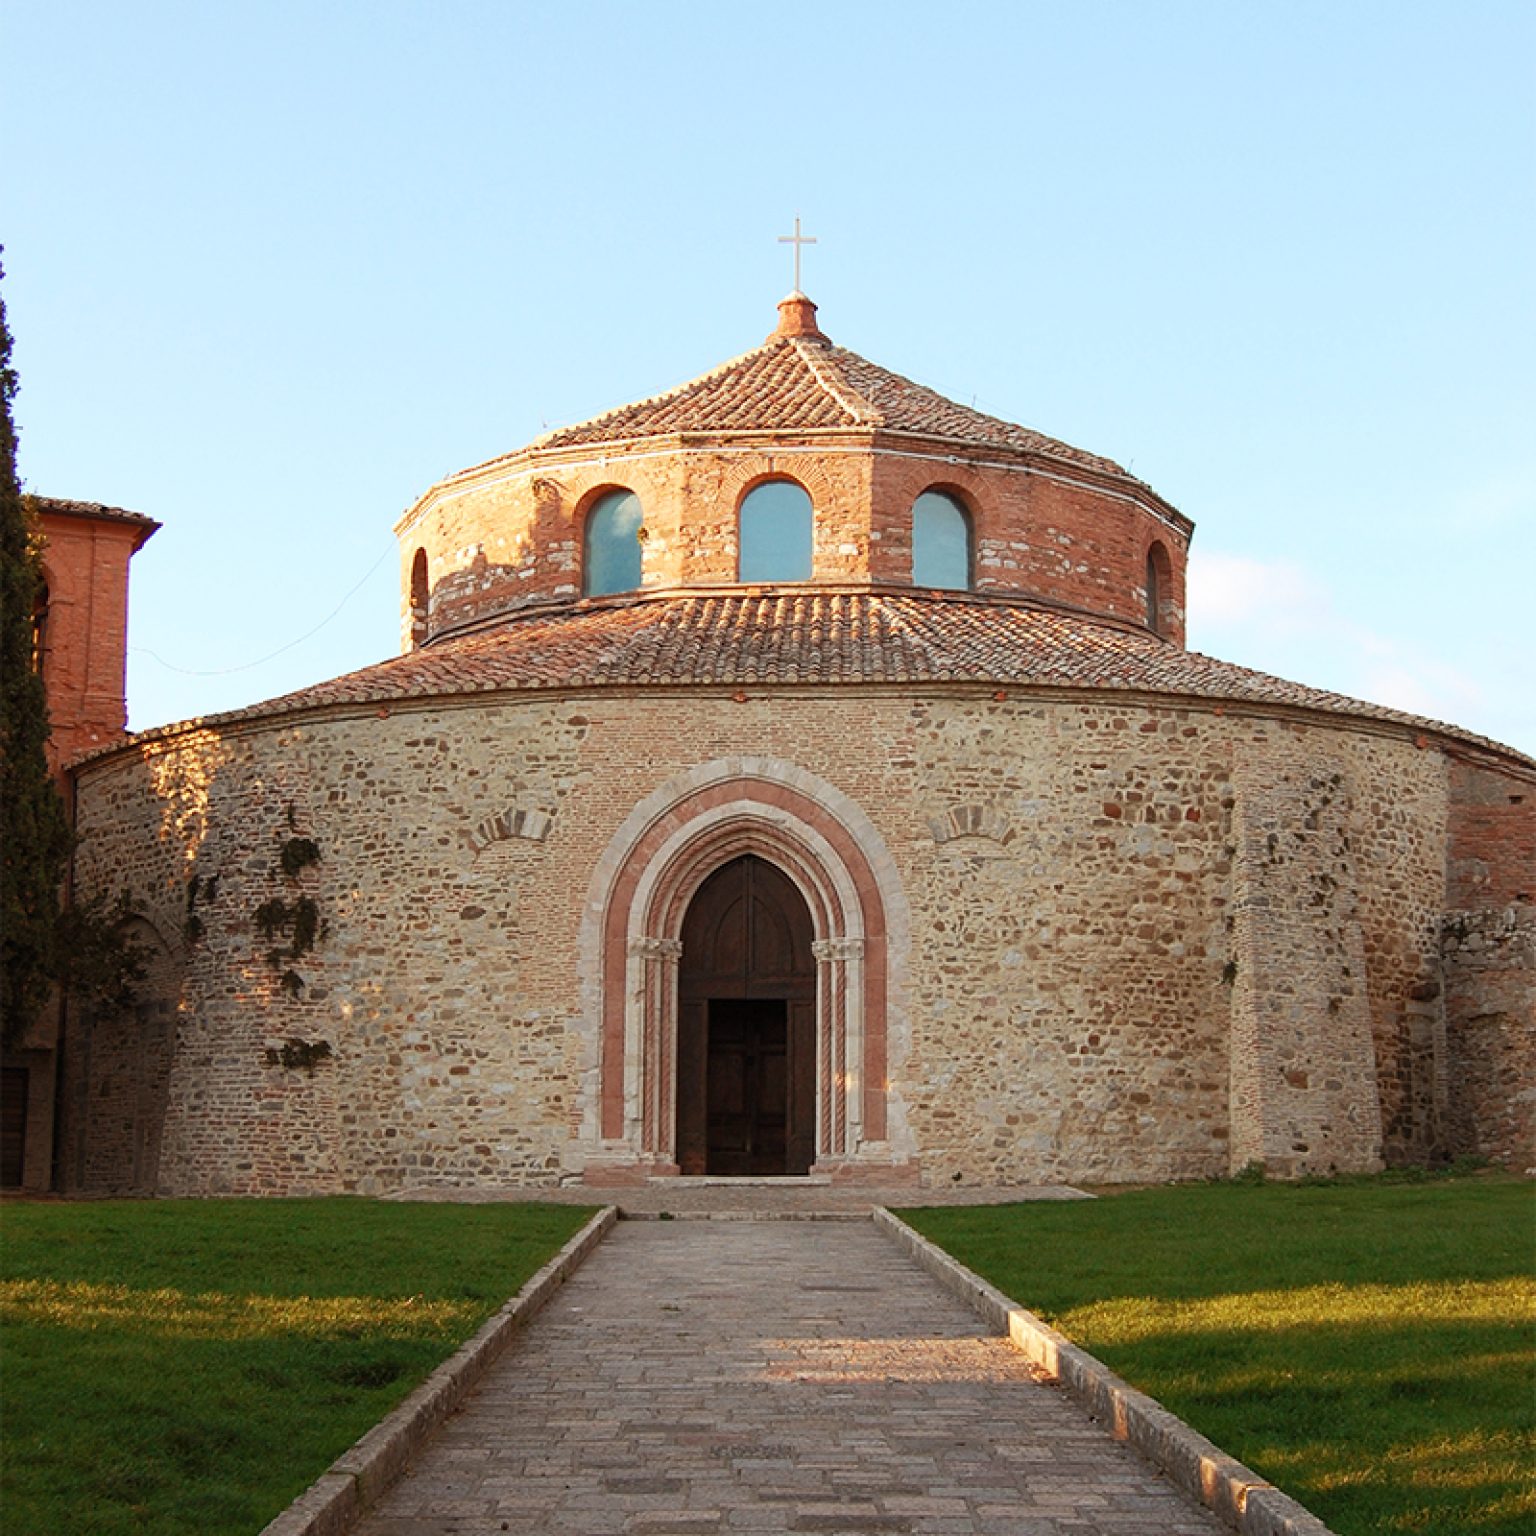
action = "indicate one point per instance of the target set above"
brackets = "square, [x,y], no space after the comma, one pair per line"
[797,317]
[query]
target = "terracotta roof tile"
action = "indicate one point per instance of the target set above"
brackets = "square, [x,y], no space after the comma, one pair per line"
[802,383]
[766,637]
[60,506]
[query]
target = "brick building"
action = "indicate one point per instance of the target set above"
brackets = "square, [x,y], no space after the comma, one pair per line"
[798,773]
[80,629]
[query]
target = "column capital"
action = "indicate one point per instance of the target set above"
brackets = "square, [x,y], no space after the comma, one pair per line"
[837,949]
[647,948]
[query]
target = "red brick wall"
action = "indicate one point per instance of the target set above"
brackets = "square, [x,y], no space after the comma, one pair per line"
[85,645]
[1068,543]
[1491,859]
[511,534]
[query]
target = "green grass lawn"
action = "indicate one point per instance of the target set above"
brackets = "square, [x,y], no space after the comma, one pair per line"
[1365,1345]
[192,1366]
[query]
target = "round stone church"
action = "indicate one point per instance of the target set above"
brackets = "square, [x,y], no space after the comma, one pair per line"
[800,775]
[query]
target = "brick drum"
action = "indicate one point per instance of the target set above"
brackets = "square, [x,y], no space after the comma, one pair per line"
[770,1376]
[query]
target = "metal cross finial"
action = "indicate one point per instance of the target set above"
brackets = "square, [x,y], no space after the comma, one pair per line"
[797,240]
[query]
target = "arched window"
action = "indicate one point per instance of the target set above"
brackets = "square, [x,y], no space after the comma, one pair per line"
[775,533]
[1159,588]
[39,625]
[419,598]
[941,542]
[610,555]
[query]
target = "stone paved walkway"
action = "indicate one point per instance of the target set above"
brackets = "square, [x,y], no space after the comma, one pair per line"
[703,1376]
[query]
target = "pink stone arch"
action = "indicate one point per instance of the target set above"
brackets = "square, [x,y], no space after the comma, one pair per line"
[631,945]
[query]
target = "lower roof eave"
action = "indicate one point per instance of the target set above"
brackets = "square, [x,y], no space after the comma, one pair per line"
[1425,734]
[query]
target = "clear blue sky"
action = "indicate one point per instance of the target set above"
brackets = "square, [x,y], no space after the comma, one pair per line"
[276,267]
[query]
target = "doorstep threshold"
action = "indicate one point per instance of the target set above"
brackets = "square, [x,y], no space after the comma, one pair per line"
[740,1181]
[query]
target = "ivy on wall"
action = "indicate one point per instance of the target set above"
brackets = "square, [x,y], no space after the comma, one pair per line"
[202,890]
[299,1055]
[292,926]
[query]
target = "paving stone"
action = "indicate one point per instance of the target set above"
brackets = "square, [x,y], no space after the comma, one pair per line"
[705,1376]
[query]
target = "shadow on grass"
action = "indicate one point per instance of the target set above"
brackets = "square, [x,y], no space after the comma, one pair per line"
[190,1367]
[1364,1346]
[1362,1418]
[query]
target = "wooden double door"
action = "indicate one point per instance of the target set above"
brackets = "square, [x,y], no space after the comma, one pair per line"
[746,1043]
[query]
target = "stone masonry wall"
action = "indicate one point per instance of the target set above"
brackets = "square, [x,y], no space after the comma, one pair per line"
[1068,868]
[1488,952]
[1068,1018]
[1490,987]
[1398,835]
[117,1081]
[1341,885]
[1304,1091]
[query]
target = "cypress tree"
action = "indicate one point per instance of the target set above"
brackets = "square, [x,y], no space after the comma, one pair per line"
[34,836]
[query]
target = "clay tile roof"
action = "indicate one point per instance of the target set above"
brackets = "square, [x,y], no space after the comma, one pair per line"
[772,637]
[800,383]
[58,506]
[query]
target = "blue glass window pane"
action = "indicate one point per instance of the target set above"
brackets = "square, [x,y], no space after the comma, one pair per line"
[776,533]
[611,556]
[941,542]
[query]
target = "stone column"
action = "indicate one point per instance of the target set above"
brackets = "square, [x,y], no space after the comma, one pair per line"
[651,1046]
[839,1045]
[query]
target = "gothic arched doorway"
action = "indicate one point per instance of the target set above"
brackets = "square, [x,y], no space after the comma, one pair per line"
[746,1042]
